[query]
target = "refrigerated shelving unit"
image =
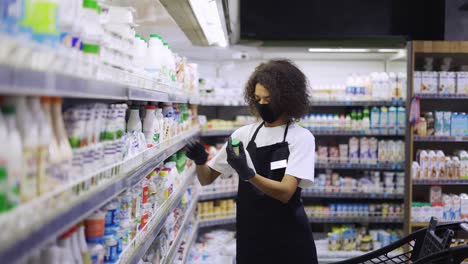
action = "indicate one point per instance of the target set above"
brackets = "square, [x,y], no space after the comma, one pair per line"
[23,81]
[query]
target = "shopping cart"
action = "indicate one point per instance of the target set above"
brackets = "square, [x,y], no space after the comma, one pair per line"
[430,245]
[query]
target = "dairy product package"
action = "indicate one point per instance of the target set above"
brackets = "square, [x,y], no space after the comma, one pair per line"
[383,151]
[353,150]
[462,83]
[464,206]
[343,153]
[447,82]
[447,202]
[432,165]
[455,207]
[447,123]
[463,165]
[438,211]
[424,164]
[436,195]
[364,150]
[429,82]
[417,78]
[439,123]
[415,170]
[441,169]
[373,150]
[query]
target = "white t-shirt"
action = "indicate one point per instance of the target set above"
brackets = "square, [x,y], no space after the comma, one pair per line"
[301,161]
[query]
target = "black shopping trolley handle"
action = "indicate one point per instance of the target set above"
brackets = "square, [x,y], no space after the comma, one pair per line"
[464,226]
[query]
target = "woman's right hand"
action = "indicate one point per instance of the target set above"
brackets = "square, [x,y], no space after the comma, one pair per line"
[196,152]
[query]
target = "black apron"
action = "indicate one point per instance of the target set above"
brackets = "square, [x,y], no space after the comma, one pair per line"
[269,231]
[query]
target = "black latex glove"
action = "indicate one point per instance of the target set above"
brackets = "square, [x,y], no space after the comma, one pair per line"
[239,162]
[196,152]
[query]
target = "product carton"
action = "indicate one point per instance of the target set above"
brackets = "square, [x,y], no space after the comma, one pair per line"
[464,206]
[373,150]
[383,151]
[447,201]
[463,171]
[354,150]
[439,123]
[462,83]
[417,78]
[364,150]
[441,170]
[455,207]
[424,164]
[432,165]
[447,123]
[436,195]
[429,82]
[447,82]
[343,153]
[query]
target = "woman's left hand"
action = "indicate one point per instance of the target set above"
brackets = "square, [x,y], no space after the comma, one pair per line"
[239,162]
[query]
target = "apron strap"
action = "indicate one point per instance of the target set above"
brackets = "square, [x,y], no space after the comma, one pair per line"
[256,132]
[286,132]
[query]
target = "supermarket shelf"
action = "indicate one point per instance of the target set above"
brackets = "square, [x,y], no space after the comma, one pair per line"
[216,195]
[313,194]
[440,139]
[168,150]
[155,225]
[357,166]
[191,239]
[338,220]
[320,132]
[357,103]
[442,97]
[84,205]
[426,224]
[441,182]
[15,81]
[216,222]
[217,132]
[177,240]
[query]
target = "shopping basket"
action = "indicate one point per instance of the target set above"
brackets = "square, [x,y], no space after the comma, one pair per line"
[430,245]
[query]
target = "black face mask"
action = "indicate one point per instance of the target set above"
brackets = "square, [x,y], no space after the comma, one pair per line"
[266,113]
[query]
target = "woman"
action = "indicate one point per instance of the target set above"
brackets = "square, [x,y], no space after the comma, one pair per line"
[278,162]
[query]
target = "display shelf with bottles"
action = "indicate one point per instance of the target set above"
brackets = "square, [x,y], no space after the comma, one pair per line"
[138,247]
[438,158]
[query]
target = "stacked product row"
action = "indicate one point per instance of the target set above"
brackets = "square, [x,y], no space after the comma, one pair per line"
[373,182]
[355,210]
[446,207]
[241,120]
[377,119]
[442,123]
[375,86]
[109,231]
[434,164]
[350,237]
[93,41]
[216,209]
[363,151]
[49,149]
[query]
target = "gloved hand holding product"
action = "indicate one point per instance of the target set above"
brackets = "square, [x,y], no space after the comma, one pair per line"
[197,153]
[239,162]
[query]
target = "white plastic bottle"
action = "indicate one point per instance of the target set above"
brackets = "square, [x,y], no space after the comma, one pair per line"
[155,56]
[55,158]
[150,126]
[160,121]
[65,151]
[82,244]
[134,121]
[45,139]
[29,135]
[15,156]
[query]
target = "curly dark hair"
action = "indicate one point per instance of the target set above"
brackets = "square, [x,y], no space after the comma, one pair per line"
[287,86]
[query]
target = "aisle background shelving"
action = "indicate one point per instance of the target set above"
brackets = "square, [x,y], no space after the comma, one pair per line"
[419,189]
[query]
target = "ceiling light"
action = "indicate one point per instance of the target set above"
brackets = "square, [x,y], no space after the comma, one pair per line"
[337,50]
[206,12]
